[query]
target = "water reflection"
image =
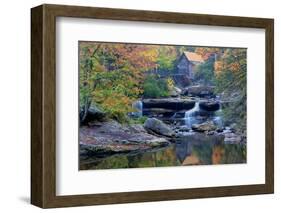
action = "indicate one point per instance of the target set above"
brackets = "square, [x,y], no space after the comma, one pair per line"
[196,149]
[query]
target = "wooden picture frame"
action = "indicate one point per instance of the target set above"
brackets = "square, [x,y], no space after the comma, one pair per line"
[43,105]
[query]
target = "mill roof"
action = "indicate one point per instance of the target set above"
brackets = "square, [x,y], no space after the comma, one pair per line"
[191,56]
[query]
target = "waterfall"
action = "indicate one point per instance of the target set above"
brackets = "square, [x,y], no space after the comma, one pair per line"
[197,116]
[137,106]
[218,119]
[189,115]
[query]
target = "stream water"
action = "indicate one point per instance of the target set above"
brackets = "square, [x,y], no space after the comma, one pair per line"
[190,149]
[196,116]
[196,149]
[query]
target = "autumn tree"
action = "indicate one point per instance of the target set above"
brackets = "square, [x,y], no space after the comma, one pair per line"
[228,74]
[231,78]
[111,75]
[166,58]
[204,72]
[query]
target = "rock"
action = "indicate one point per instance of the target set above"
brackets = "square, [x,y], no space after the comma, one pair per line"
[99,150]
[178,90]
[211,133]
[200,91]
[179,114]
[157,142]
[111,126]
[96,113]
[226,131]
[112,138]
[219,130]
[155,112]
[184,92]
[178,134]
[176,104]
[137,128]
[184,128]
[232,140]
[175,92]
[147,139]
[204,127]
[158,127]
[204,113]
[233,127]
[231,137]
[93,114]
[95,123]
[209,105]
[123,142]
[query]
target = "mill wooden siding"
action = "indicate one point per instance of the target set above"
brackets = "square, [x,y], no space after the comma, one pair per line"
[185,67]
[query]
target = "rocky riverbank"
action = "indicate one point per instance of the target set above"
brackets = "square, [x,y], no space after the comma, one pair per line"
[111,137]
[230,135]
[193,112]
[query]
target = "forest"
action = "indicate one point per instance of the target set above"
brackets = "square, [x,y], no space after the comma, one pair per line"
[134,101]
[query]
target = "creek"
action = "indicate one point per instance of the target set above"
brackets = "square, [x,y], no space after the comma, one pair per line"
[192,148]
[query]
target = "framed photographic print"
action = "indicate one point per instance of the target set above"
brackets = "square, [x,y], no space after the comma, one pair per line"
[137,106]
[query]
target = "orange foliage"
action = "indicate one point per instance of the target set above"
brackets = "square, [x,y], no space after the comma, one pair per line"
[218,67]
[234,67]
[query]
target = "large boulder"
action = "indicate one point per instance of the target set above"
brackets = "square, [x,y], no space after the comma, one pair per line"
[176,104]
[92,114]
[156,126]
[204,127]
[200,91]
[209,105]
[111,137]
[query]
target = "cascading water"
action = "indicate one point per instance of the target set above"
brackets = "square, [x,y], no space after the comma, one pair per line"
[217,118]
[138,107]
[197,116]
[189,116]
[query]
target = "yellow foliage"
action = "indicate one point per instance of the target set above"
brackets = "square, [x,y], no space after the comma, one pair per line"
[170,83]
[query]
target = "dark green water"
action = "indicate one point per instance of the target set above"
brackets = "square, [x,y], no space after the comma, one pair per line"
[196,149]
